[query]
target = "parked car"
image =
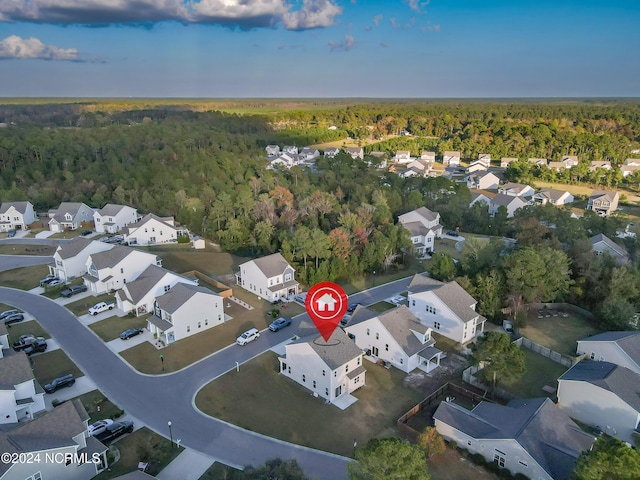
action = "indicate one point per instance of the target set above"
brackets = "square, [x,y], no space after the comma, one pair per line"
[279,324]
[60,382]
[101,307]
[69,292]
[85,233]
[96,428]
[132,332]
[398,300]
[6,313]
[352,306]
[48,279]
[453,234]
[15,318]
[39,345]
[11,233]
[248,336]
[55,282]
[115,430]
[23,342]
[508,326]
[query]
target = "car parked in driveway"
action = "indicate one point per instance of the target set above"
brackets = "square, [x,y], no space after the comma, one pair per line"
[101,307]
[7,313]
[279,324]
[132,332]
[86,233]
[71,291]
[60,382]
[39,345]
[115,430]
[96,428]
[24,341]
[11,233]
[248,336]
[398,300]
[54,283]
[47,280]
[14,318]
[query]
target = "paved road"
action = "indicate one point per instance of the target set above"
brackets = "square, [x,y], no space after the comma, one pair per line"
[9,262]
[157,399]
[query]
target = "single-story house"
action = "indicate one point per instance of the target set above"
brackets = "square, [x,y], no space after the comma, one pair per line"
[516,190]
[553,196]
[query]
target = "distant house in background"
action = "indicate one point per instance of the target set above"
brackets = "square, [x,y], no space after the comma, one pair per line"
[151,230]
[594,165]
[402,156]
[16,216]
[621,348]
[355,152]
[603,395]
[569,161]
[424,227]
[285,160]
[476,166]
[603,203]
[21,397]
[532,436]
[290,149]
[538,162]
[70,258]
[451,158]
[481,197]
[308,154]
[557,166]
[629,169]
[552,196]
[511,203]
[270,277]
[483,181]
[632,161]
[331,152]
[70,216]
[485,159]
[272,150]
[504,163]
[112,218]
[428,156]
[417,168]
[516,190]
[602,244]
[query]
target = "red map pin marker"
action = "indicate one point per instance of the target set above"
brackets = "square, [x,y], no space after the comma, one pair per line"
[326,304]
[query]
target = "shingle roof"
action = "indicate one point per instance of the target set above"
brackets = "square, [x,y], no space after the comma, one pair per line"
[416,228]
[451,294]
[623,382]
[14,369]
[426,213]
[610,243]
[178,295]
[401,323]
[550,193]
[335,352]
[145,282]
[147,218]
[537,424]
[73,248]
[111,209]
[19,206]
[518,187]
[449,153]
[629,342]
[110,258]
[67,207]
[272,265]
[598,194]
[502,199]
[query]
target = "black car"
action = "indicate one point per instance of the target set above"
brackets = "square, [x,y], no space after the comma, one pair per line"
[7,313]
[11,233]
[115,430]
[84,233]
[279,324]
[69,292]
[453,234]
[37,346]
[13,318]
[352,307]
[59,382]
[132,332]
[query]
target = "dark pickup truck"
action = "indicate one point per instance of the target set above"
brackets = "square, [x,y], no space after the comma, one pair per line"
[40,345]
[24,341]
[73,291]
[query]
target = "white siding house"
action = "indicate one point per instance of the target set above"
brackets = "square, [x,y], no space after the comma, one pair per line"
[152,230]
[451,158]
[509,202]
[621,348]
[21,397]
[270,277]
[424,227]
[602,202]
[516,190]
[16,216]
[70,216]
[70,258]
[111,269]
[553,196]
[184,311]
[601,244]
[112,218]
[482,180]
[446,308]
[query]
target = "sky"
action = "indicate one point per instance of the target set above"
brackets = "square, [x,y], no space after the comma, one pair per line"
[319,48]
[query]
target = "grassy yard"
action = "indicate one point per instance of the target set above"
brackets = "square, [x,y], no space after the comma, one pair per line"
[111,328]
[254,397]
[26,249]
[586,190]
[445,245]
[557,333]
[182,258]
[381,306]
[22,328]
[54,292]
[80,307]
[50,365]
[98,406]
[411,267]
[540,372]
[141,446]
[69,233]
[24,278]
[446,344]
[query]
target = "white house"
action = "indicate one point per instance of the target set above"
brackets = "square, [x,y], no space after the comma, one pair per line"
[139,295]
[424,227]
[70,258]
[395,336]
[446,308]
[602,244]
[290,149]
[16,216]
[595,164]
[530,436]
[21,397]
[184,311]
[355,152]
[111,269]
[112,218]
[482,180]
[553,196]
[604,395]
[285,160]
[60,436]
[476,166]
[511,203]
[505,161]
[428,156]
[402,156]
[451,158]
[558,166]
[331,370]
[272,150]
[538,162]
[632,161]
[151,230]
[417,168]
[603,202]
[331,152]
[516,190]
[481,197]
[484,159]
[629,169]
[621,348]
[569,161]
[70,216]
[270,277]
[308,154]
[4,340]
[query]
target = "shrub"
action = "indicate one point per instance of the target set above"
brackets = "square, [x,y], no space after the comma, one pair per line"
[452,444]
[431,442]
[478,459]
[493,467]
[504,473]
[183,239]
[520,476]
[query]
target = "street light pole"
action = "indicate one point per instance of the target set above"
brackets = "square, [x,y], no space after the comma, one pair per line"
[170,433]
[374,279]
[162,361]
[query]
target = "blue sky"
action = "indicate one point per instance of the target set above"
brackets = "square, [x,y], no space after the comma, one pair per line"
[319,48]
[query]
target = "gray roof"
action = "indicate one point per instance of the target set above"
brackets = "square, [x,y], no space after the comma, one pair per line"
[111,209]
[110,258]
[19,206]
[272,265]
[73,248]
[518,187]
[178,295]
[537,424]
[335,352]
[14,369]
[550,193]
[610,243]
[416,228]
[145,282]
[610,196]
[147,218]
[426,213]
[629,342]
[451,294]
[163,325]
[619,380]
[68,207]
[135,475]
[502,199]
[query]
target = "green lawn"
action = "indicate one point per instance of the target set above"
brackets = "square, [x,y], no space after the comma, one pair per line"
[80,307]
[111,328]
[182,258]
[98,406]
[25,327]
[381,306]
[557,333]
[446,344]
[540,372]
[50,365]
[26,249]
[254,397]
[54,292]
[24,278]
[142,445]
[411,267]
[446,245]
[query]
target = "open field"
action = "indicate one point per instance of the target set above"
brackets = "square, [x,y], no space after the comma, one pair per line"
[81,307]
[50,365]
[254,397]
[211,261]
[557,333]
[540,372]
[111,328]
[24,278]
[26,249]
[585,190]
[350,142]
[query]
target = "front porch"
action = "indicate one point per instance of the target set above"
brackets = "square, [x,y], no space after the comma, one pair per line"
[429,359]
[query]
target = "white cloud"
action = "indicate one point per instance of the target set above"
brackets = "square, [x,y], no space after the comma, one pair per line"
[24,48]
[296,15]
[376,19]
[417,6]
[347,44]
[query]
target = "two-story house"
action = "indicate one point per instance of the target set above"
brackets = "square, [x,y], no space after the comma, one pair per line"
[151,230]
[402,156]
[516,190]
[21,397]
[621,348]
[451,158]
[70,258]
[603,203]
[112,218]
[269,277]
[395,336]
[308,154]
[331,152]
[601,244]
[272,150]
[505,161]
[482,180]
[139,295]
[484,159]
[509,202]
[552,196]
[110,270]
[185,310]
[330,369]
[16,216]
[290,149]
[569,161]
[428,156]
[355,152]
[446,308]
[424,227]
[417,168]
[476,166]
[70,216]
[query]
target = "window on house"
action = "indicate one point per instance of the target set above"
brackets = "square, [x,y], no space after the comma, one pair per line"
[436,325]
[469,442]
[304,378]
[401,361]
[326,391]
[206,321]
[219,317]
[592,356]
[524,464]
[386,347]
[601,358]
[314,384]
[324,373]
[199,324]
[167,288]
[153,229]
[358,361]
[145,230]
[413,303]
[188,328]
[271,282]
[287,277]
[122,270]
[335,374]
[368,332]
[356,380]
[346,368]
[377,336]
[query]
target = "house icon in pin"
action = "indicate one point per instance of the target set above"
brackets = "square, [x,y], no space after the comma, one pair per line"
[326,303]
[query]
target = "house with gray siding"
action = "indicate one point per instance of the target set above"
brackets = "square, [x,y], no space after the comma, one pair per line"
[621,348]
[70,216]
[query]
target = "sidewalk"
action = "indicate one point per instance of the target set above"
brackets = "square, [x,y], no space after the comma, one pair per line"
[189,465]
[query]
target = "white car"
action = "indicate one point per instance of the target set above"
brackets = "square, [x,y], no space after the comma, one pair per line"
[98,427]
[398,300]
[101,307]
[248,336]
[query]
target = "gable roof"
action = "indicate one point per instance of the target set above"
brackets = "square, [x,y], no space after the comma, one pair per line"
[450,293]
[539,426]
[516,187]
[601,237]
[14,369]
[416,228]
[619,380]
[335,352]
[147,218]
[604,195]
[272,265]
[178,295]
[68,207]
[629,342]
[110,258]
[425,213]
[111,209]
[145,282]
[551,194]
[450,153]
[503,199]
[73,248]
[19,206]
